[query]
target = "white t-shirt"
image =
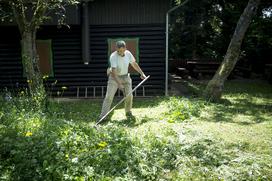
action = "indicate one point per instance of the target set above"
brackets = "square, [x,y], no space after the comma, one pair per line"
[121,63]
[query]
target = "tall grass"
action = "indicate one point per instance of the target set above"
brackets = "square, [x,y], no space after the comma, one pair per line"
[172,139]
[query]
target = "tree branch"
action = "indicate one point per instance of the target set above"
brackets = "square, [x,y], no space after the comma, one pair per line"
[19,15]
[38,15]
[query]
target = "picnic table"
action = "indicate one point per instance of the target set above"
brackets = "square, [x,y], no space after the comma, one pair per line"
[197,67]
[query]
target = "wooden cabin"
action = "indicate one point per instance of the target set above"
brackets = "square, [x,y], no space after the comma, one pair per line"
[77,57]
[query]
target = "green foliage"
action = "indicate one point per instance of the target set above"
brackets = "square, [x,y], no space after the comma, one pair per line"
[34,13]
[181,109]
[62,144]
[211,159]
[62,150]
[21,101]
[203,29]
[43,149]
[33,147]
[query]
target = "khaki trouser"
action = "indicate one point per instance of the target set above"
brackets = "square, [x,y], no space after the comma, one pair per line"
[111,90]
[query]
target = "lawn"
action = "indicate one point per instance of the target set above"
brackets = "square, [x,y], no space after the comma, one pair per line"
[172,138]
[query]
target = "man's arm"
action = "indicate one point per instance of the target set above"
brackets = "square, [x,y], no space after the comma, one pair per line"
[138,69]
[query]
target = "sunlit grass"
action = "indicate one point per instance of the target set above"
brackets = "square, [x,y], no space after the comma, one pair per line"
[172,138]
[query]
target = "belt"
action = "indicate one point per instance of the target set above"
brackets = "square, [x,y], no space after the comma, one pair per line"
[124,75]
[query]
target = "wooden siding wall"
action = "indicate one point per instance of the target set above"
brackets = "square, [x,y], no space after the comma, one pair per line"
[10,62]
[128,11]
[68,65]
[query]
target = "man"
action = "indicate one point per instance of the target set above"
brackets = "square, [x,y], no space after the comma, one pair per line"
[120,78]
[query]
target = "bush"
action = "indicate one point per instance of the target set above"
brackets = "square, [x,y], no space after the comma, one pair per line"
[181,109]
[62,150]
[35,146]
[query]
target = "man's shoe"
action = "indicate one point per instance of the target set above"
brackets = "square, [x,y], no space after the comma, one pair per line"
[129,114]
[130,118]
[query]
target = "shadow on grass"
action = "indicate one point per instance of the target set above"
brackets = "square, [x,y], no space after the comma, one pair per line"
[241,111]
[246,102]
[246,86]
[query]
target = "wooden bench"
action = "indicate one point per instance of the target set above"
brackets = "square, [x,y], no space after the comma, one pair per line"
[197,68]
[181,71]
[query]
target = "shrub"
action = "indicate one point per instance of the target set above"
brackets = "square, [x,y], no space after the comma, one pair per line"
[181,109]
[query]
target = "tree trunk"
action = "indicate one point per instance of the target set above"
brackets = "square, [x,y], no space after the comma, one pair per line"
[214,88]
[31,68]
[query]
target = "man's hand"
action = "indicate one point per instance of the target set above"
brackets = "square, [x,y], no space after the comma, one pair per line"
[143,76]
[138,69]
[121,86]
[117,80]
[109,71]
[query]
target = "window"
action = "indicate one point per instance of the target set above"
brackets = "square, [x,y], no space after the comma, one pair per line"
[44,50]
[45,62]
